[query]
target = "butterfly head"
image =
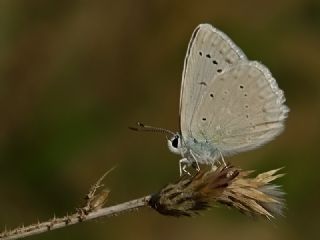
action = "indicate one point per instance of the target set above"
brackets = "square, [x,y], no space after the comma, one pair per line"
[174,143]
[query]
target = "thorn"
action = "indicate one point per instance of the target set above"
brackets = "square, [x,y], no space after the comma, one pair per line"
[67,219]
[38,224]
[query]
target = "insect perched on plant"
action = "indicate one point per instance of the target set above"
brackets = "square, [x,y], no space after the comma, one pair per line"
[228,104]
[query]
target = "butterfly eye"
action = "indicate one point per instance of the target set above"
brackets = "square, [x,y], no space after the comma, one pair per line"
[175,142]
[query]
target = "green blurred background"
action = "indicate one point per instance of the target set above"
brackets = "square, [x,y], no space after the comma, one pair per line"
[75,74]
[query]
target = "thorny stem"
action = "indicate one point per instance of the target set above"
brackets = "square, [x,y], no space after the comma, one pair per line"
[75,218]
[254,196]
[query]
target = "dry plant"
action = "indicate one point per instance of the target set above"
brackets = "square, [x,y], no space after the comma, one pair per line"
[255,196]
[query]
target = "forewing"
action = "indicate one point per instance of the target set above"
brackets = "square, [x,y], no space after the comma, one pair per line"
[241,109]
[209,52]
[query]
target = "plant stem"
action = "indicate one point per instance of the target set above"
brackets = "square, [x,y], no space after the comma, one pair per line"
[75,218]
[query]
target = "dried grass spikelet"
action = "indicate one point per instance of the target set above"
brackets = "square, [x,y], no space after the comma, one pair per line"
[227,185]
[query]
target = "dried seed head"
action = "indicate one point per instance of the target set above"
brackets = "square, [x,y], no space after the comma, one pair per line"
[227,185]
[187,196]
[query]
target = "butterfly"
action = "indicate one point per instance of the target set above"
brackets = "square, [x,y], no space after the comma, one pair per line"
[228,104]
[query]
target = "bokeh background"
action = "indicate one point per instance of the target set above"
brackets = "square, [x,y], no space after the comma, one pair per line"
[75,74]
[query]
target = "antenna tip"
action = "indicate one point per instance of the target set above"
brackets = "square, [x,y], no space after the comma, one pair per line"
[140,124]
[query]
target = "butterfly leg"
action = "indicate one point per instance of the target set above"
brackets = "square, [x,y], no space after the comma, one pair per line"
[195,159]
[185,162]
[222,159]
[213,166]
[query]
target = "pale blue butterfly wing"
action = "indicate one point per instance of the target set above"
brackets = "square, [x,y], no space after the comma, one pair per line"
[209,52]
[226,100]
[241,109]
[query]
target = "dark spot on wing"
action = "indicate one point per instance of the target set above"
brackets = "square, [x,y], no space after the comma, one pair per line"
[204,119]
[241,86]
[203,83]
[228,61]
[208,56]
[215,62]
[219,70]
[200,53]
[211,95]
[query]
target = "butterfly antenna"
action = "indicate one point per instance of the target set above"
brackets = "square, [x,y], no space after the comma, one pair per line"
[145,128]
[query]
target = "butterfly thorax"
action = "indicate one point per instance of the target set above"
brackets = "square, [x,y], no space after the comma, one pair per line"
[200,151]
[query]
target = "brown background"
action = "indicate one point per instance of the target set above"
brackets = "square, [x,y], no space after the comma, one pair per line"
[75,74]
